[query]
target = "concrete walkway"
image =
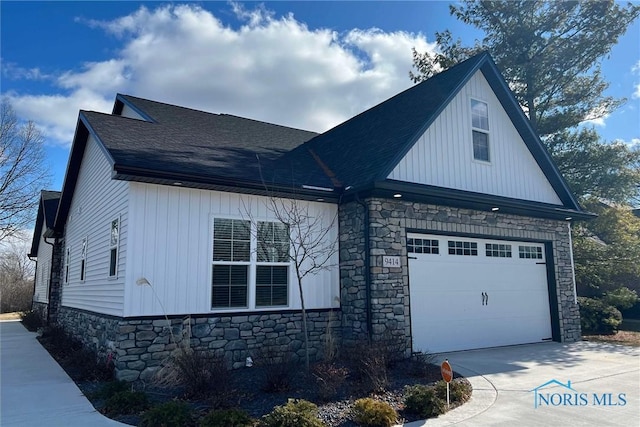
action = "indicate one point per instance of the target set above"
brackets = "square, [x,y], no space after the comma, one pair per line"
[35,390]
[504,380]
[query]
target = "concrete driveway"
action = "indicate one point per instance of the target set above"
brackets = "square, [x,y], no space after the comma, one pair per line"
[604,386]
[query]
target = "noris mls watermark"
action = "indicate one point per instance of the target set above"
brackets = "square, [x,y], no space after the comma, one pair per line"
[554,393]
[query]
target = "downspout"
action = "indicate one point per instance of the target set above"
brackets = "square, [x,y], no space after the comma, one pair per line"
[53,248]
[573,267]
[367,266]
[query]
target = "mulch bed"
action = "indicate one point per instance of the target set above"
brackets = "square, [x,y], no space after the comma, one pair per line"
[248,389]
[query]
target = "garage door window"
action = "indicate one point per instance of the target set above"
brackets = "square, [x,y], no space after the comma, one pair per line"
[463,248]
[498,250]
[534,252]
[422,246]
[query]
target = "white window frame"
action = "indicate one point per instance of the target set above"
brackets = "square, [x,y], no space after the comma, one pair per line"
[67,258]
[214,262]
[480,130]
[114,246]
[83,259]
[270,263]
[252,266]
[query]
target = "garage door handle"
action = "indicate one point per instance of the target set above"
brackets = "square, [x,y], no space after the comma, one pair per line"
[413,257]
[485,298]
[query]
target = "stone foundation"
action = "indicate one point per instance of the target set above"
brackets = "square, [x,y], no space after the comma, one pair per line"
[139,346]
[40,308]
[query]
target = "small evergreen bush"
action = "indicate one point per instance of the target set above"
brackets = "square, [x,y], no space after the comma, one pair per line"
[597,317]
[174,413]
[126,402]
[226,418]
[424,401]
[296,413]
[459,391]
[374,413]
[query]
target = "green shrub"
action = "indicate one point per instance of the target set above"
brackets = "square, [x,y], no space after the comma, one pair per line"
[31,320]
[175,413]
[424,401]
[374,413]
[597,317]
[459,391]
[226,418]
[296,413]
[126,402]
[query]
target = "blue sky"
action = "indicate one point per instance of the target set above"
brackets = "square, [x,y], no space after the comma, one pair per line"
[303,64]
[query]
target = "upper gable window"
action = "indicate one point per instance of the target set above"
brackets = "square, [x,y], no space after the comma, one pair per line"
[480,130]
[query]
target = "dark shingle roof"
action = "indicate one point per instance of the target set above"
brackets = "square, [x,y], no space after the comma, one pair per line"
[230,153]
[190,142]
[363,147]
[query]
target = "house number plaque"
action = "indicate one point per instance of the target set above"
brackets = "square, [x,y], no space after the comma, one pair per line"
[391,261]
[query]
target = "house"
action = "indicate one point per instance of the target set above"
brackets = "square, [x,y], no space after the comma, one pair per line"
[453,227]
[44,250]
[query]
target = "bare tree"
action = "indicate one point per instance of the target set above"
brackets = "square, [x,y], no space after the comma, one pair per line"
[22,171]
[16,276]
[305,240]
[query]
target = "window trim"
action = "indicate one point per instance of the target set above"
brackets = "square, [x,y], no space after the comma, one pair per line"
[83,259]
[230,263]
[258,263]
[115,247]
[480,130]
[67,257]
[252,264]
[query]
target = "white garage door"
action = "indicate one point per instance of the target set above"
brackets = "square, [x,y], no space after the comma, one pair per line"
[471,293]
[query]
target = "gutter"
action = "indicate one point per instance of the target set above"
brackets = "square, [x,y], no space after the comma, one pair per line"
[367,266]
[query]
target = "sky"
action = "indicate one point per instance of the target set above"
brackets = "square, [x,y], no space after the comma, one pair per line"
[309,65]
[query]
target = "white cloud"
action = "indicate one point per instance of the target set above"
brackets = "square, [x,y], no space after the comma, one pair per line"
[272,69]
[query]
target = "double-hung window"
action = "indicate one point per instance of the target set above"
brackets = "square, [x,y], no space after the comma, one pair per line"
[480,130]
[113,247]
[250,266]
[272,268]
[231,262]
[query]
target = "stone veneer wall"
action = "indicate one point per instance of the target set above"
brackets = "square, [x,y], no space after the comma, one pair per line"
[389,221]
[139,346]
[48,312]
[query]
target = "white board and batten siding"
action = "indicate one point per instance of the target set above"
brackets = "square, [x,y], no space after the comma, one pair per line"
[170,242]
[130,113]
[97,201]
[443,155]
[43,270]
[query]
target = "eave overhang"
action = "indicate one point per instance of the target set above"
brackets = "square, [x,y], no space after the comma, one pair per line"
[134,174]
[391,189]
